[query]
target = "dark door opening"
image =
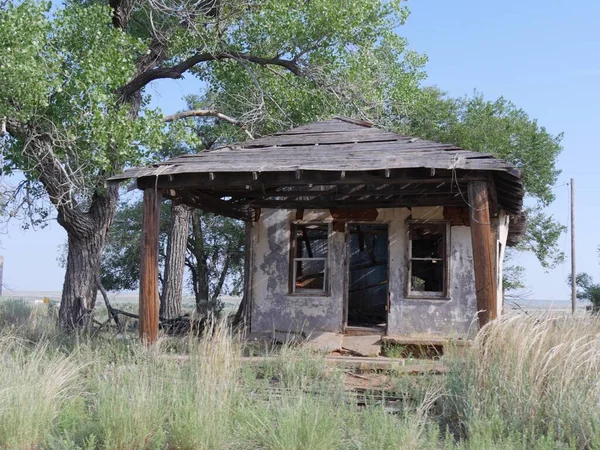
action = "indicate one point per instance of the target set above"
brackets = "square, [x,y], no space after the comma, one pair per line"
[368,275]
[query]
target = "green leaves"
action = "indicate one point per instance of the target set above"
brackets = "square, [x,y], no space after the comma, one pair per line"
[27,76]
[588,290]
[351,60]
[61,75]
[497,127]
[500,128]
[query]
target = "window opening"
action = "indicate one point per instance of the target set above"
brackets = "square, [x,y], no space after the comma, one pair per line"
[427,258]
[309,258]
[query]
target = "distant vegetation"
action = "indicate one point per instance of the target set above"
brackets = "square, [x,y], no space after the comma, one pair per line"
[530,382]
[587,289]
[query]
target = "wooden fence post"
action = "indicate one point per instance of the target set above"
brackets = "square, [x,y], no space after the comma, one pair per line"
[149,300]
[484,252]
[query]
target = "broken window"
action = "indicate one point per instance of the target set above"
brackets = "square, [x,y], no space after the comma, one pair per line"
[427,259]
[309,258]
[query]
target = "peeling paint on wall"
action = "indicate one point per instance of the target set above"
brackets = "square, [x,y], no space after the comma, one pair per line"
[275,308]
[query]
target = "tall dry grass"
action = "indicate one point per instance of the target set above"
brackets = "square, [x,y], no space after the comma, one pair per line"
[531,376]
[205,395]
[35,384]
[527,383]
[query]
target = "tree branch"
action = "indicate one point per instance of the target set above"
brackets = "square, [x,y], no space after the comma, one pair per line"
[38,147]
[177,71]
[208,113]
[111,312]
[222,277]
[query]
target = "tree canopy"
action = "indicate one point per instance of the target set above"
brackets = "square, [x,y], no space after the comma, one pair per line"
[587,289]
[76,106]
[506,131]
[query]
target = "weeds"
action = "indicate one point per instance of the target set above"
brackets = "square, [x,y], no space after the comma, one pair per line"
[527,383]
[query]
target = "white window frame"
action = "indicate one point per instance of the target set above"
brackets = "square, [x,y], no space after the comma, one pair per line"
[295,270]
[433,295]
[293,260]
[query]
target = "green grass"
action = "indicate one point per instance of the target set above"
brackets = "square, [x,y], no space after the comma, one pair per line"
[528,383]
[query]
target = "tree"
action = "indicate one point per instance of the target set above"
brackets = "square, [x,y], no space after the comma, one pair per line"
[73,83]
[172,292]
[213,254]
[216,258]
[587,290]
[500,128]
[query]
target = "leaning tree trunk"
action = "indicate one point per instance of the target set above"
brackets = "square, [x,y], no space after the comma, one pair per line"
[201,269]
[87,233]
[170,305]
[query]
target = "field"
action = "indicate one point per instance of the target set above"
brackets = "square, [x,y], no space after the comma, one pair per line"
[529,382]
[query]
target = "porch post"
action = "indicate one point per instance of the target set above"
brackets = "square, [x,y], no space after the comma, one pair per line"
[149,301]
[248,269]
[482,240]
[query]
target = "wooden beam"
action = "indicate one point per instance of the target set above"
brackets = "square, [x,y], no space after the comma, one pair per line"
[209,203]
[484,251]
[396,202]
[350,191]
[149,301]
[232,180]
[248,263]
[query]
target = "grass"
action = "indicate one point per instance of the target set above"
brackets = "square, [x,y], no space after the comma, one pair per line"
[529,382]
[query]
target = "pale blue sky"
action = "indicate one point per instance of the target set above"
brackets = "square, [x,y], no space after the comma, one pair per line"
[542,55]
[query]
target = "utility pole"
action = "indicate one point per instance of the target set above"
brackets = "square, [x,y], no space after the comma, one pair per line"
[573,269]
[1,273]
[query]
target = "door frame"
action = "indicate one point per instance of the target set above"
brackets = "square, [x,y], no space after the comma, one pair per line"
[382,223]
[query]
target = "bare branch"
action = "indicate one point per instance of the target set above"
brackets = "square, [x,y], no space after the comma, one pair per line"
[208,113]
[58,181]
[177,71]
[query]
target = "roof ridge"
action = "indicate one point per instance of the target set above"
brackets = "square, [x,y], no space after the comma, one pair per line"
[360,122]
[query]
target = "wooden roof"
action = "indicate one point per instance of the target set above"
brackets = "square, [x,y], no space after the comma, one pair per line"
[338,162]
[332,145]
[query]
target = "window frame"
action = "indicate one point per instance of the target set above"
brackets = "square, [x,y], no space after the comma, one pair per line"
[325,292]
[428,295]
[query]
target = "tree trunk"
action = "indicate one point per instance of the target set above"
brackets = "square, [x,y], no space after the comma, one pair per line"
[80,286]
[222,276]
[170,304]
[86,237]
[201,282]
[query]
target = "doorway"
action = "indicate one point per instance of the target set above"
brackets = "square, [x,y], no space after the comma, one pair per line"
[367,276]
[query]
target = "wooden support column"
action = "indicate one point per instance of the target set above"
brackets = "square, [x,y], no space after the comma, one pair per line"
[149,301]
[248,269]
[484,251]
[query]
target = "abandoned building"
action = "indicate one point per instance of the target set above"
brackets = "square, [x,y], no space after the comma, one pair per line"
[350,227]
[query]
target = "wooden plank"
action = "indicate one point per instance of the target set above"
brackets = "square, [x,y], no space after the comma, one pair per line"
[208,203]
[229,182]
[484,251]
[248,263]
[318,160]
[149,300]
[324,138]
[328,125]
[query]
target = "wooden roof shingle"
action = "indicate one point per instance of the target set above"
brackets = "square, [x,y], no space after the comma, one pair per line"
[332,145]
[336,145]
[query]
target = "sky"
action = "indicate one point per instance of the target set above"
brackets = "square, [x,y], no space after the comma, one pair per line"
[541,55]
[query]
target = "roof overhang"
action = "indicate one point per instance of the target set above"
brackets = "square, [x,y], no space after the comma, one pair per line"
[331,164]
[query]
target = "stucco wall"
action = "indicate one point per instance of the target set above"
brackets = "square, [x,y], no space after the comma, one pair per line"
[452,316]
[502,222]
[274,308]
